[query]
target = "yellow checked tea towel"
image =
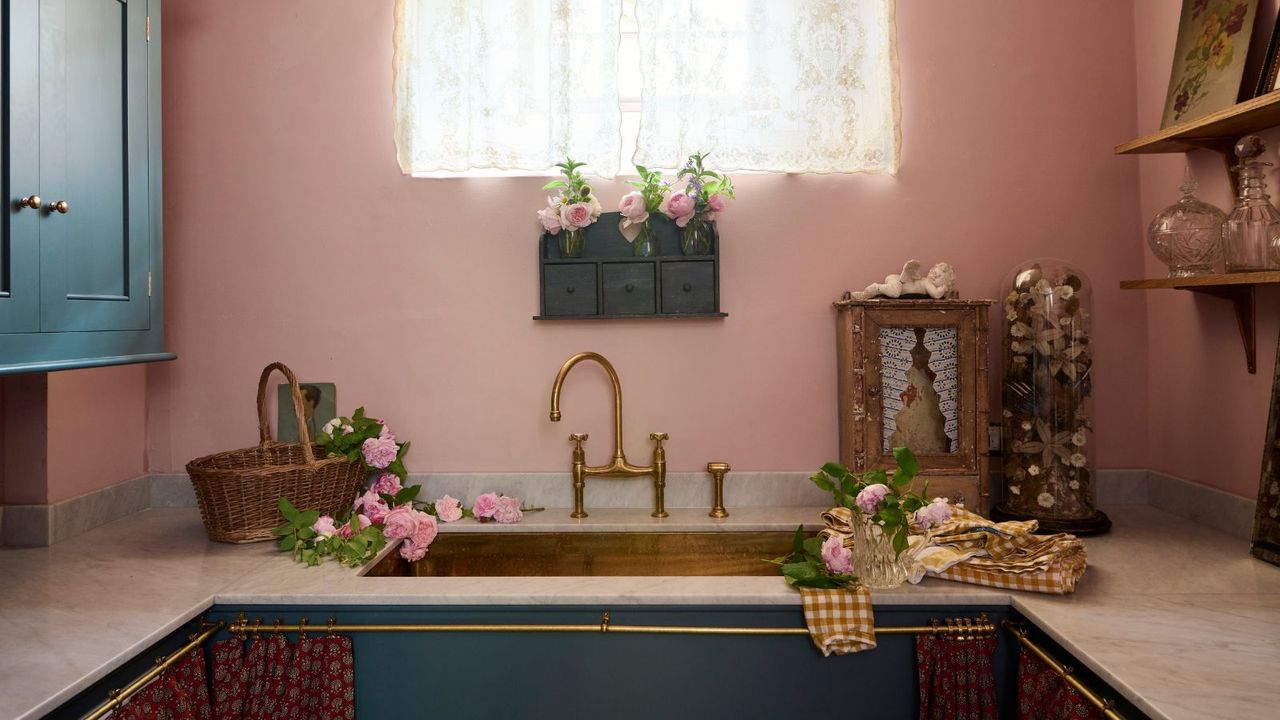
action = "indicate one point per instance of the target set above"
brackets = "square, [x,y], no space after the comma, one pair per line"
[840,621]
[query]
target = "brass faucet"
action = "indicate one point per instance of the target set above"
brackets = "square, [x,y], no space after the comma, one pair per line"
[618,467]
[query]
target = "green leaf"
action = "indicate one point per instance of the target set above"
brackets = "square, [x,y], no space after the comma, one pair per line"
[797,543]
[359,414]
[835,470]
[906,462]
[308,518]
[406,494]
[875,477]
[554,184]
[801,571]
[306,534]
[287,509]
[284,529]
[900,540]
[900,478]
[813,547]
[288,541]
[823,481]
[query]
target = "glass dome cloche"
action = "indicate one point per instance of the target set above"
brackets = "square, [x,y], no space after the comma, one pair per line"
[1187,235]
[1050,465]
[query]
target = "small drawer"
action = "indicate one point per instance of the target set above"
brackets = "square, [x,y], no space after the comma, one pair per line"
[689,287]
[569,289]
[629,289]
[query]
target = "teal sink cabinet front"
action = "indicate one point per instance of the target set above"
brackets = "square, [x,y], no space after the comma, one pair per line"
[81,250]
[623,676]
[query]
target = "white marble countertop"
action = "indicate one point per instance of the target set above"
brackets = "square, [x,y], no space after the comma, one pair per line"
[1176,616]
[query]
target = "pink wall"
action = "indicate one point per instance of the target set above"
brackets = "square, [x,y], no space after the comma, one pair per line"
[97,429]
[292,235]
[1207,415]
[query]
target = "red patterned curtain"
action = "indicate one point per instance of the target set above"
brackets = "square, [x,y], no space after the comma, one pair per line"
[956,679]
[1044,695]
[181,693]
[272,679]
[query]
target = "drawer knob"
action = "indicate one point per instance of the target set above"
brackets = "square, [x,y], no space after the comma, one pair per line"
[61,207]
[688,287]
[30,201]
[570,289]
[630,287]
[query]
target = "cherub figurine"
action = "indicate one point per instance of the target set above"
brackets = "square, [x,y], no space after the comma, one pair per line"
[939,283]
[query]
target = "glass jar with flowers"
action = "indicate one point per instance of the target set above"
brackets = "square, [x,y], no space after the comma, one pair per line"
[638,205]
[873,515]
[1050,471]
[696,208]
[570,211]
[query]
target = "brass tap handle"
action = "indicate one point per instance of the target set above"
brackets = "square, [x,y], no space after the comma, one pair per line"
[658,438]
[718,470]
[30,201]
[577,439]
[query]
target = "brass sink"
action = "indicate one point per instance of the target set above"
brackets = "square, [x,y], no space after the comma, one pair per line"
[518,554]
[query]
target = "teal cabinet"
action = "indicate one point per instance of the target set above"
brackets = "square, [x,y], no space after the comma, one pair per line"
[81,278]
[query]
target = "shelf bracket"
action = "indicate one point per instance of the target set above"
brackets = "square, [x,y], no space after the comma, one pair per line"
[1242,298]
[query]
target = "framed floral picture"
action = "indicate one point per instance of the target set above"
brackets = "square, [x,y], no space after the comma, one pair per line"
[1266,527]
[1209,58]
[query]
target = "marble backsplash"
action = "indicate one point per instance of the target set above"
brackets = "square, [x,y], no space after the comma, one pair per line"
[40,525]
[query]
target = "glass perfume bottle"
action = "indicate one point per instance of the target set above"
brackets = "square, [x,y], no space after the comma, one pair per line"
[1254,224]
[1187,235]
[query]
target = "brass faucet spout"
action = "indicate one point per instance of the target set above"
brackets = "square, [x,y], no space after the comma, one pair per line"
[617,394]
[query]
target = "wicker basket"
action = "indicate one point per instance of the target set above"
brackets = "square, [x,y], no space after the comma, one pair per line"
[238,490]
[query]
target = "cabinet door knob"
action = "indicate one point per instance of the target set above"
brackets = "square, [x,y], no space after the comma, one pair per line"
[630,287]
[688,287]
[30,201]
[61,207]
[570,289]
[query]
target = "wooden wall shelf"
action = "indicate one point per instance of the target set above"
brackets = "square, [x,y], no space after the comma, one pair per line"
[1239,288]
[1217,131]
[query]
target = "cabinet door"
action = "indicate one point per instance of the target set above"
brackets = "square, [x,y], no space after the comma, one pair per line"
[19,152]
[94,259]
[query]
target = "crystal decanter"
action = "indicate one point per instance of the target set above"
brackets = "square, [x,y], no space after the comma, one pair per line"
[1187,235]
[1254,224]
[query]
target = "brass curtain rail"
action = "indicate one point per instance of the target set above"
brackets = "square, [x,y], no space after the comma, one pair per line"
[115,698]
[1065,671]
[961,627]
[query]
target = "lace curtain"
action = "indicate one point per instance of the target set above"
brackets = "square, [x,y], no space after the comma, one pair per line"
[506,84]
[769,85]
[798,86]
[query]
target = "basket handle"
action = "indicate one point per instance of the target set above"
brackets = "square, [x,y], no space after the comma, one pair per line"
[264,427]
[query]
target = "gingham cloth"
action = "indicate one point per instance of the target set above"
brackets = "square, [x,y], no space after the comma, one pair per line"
[1007,555]
[840,621]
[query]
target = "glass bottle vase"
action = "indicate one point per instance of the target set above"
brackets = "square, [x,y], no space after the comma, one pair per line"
[1253,227]
[646,243]
[1187,235]
[571,243]
[874,561]
[695,239]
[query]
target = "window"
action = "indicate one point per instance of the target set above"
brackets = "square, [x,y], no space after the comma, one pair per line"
[513,86]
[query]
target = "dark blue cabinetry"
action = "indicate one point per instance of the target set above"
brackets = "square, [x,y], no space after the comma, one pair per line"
[80,283]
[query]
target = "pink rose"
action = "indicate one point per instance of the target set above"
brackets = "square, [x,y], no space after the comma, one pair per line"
[575,216]
[345,531]
[837,557]
[379,452]
[485,506]
[415,546]
[715,203]
[324,527]
[412,552]
[373,507]
[869,499]
[550,219]
[508,510]
[387,484]
[680,209]
[448,509]
[400,523]
[386,432]
[934,514]
[633,209]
